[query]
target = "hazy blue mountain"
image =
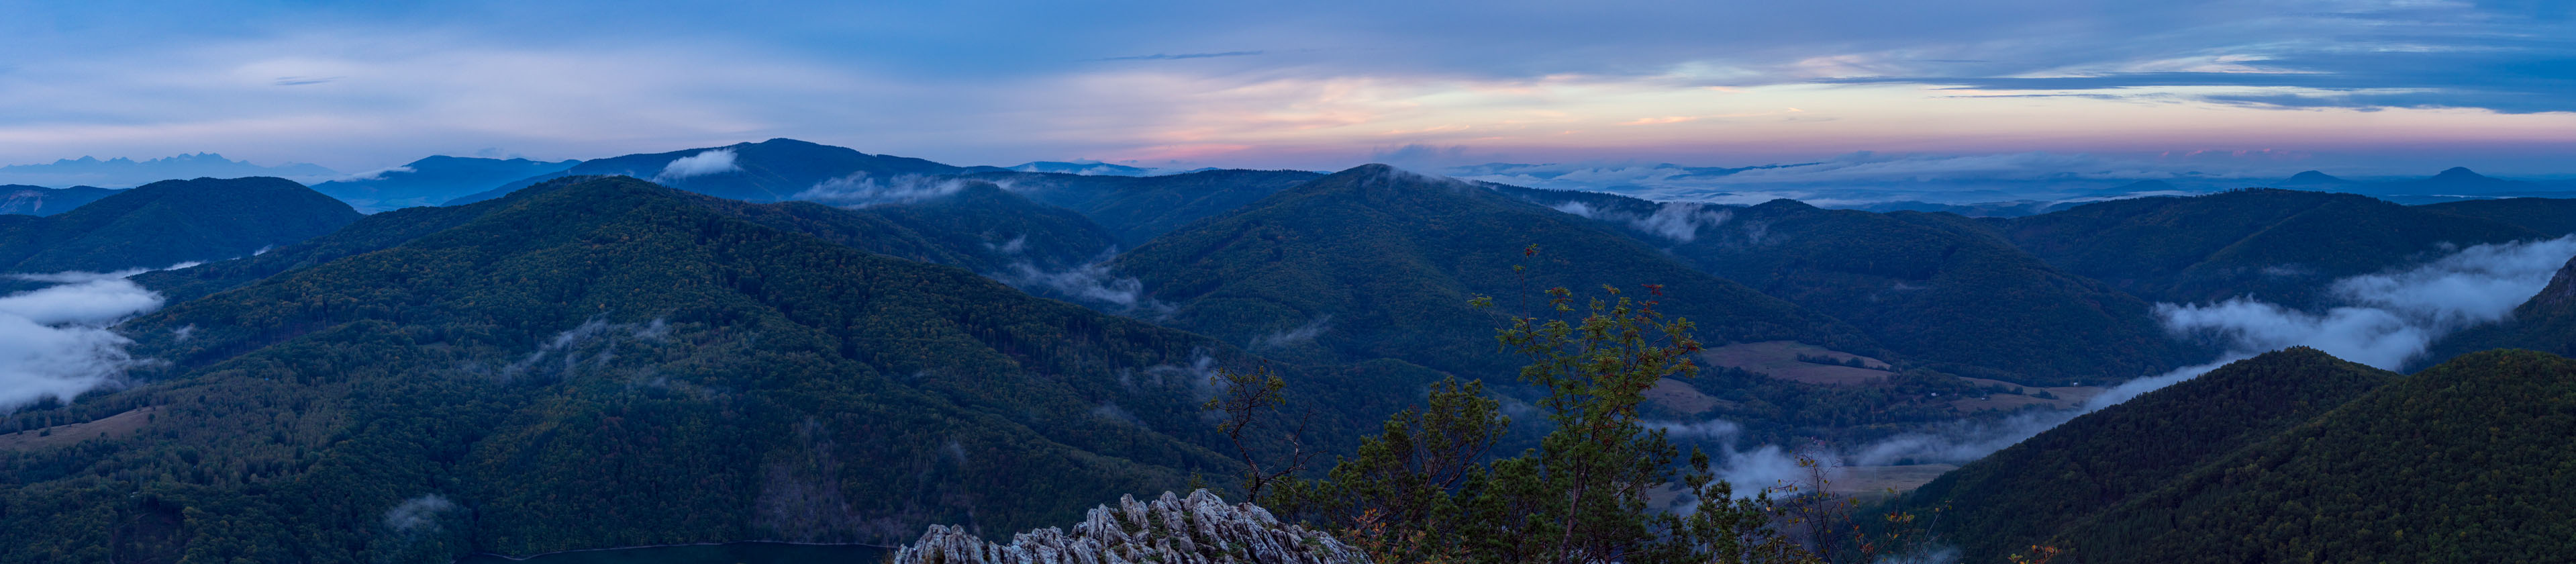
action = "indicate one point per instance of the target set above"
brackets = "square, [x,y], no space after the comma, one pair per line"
[768,171]
[38,200]
[167,222]
[1140,208]
[2547,216]
[1081,168]
[2314,180]
[122,172]
[430,181]
[2282,246]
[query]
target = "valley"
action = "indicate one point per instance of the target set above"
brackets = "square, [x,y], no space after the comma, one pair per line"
[822,347]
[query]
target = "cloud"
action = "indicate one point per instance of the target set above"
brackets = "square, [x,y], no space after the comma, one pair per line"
[378,174]
[55,342]
[1750,472]
[1091,284]
[1678,221]
[1290,337]
[418,514]
[859,190]
[1163,57]
[2387,321]
[711,161]
[301,80]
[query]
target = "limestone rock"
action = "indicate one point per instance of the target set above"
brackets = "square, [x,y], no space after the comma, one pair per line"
[1199,529]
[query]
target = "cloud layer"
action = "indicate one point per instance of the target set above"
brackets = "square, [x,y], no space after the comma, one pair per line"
[55,342]
[711,161]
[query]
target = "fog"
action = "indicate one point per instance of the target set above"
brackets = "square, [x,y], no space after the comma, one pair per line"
[55,342]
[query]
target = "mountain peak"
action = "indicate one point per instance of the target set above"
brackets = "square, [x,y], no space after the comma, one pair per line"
[2562,287]
[2314,177]
[2459,172]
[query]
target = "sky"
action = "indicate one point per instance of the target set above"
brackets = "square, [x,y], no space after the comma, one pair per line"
[2357,87]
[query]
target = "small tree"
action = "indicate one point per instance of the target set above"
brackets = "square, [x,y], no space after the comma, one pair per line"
[1249,409]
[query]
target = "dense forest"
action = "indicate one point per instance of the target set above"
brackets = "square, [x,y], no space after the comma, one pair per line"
[581,361]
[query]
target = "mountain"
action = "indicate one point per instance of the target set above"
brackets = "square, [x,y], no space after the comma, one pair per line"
[604,362]
[973,229]
[168,222]
[2551,217]
[995,229]
[1375,262]
[38,200]
[122,172]
[2016,208]
[1081,168]
[2282,246]
[1937,288]
[2467,461]
[2314,180]
[2025,494]
[2546,322]
[1140,208]
[429,181]
[768,171]
[2455,180]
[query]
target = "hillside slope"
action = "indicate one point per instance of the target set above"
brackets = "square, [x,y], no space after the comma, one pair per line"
[2022,495]
[1375,262]
[2281,246]
[2467,461]
[167,222]
[605,362]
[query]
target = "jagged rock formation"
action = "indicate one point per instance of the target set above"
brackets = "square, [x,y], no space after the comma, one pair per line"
[1169,530]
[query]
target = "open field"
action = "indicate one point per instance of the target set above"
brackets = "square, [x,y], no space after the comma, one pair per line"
[1780,360]
[117,425]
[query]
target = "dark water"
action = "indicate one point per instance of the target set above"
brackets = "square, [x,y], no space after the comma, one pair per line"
[735,553]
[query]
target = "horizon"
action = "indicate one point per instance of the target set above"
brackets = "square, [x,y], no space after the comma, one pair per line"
[2354,88]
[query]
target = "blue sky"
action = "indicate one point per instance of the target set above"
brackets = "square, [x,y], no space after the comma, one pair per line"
[2358,87]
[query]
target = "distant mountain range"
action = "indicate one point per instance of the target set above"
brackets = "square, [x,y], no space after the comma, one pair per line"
[169,222]
[39,200]
[123,172]
[433,180]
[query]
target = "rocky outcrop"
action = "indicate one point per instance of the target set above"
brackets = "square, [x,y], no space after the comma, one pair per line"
[1199,529]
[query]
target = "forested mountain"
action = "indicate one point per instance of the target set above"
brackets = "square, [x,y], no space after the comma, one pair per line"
[2546,322]
[768,171]
[998,228]
[1934,287]
[2467,461]
[1141,208]
[1375,262]
[168,222]
[2281,246]
[430,181]
[38,200]
[972,229]
[2550,217]
[605,362]
[2025,494]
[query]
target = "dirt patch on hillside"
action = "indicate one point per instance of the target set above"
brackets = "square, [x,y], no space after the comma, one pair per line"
[1873,481]
[1780,360]
[2061,397]
[112,426]
[1681,398]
